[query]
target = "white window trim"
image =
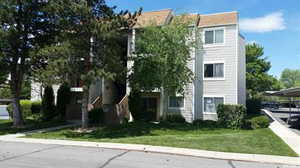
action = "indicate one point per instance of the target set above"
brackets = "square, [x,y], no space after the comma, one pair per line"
[176,108]
[214,44]
[214,78]
[211,96]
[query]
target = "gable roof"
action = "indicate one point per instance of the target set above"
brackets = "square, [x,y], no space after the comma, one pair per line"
[159,17]
[218,19]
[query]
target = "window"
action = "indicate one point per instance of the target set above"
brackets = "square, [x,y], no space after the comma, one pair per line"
[176,102]
[214,36]
[214,70]
[211,104]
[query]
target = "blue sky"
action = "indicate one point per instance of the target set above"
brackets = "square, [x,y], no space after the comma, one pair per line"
[275,24]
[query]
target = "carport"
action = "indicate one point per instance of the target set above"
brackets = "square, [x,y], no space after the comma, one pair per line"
[288,93]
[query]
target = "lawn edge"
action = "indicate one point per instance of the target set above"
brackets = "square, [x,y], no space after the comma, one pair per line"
[161,149]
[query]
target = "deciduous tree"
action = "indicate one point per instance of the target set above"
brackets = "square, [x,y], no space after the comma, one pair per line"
[161,56]
[290,78]
[257,77]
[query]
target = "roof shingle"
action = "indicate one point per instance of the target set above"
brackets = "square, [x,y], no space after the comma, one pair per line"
[154,17]
[218,19]
[162,17]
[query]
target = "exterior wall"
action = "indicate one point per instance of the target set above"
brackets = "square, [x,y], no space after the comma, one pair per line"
[188,110]
[37,91]
[241,71]
[227,54]
[232,87]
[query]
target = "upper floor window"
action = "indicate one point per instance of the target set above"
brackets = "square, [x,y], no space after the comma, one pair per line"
[214,36]
[215,70]
[176,102]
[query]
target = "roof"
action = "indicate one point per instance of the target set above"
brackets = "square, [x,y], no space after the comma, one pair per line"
[218,19]
[190,18]
[159,17]
[292,92]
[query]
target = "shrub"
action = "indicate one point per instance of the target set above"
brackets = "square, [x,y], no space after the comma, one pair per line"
[96,116]
[25,108]
[48,107]
[36,107]
[136,106]
[257,122]
[175,118]
[253,106]
[231,116]
[63,99]
[206,123]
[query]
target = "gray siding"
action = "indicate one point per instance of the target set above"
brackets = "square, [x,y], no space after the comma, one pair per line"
[241,71]
[187,111]
[226,54]
[232,88]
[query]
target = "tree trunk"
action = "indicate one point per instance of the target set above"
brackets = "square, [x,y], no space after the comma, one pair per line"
[84,108]
[17,112]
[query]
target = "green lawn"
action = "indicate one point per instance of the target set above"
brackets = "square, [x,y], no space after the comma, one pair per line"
[260,141]
[6,126]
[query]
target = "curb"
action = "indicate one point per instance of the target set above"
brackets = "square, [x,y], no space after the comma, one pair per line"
[163,150]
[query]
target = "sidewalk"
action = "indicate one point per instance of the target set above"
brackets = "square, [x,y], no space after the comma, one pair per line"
[287,135]
[159,149]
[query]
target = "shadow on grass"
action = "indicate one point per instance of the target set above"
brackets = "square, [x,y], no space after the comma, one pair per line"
[136,129]
[6,126]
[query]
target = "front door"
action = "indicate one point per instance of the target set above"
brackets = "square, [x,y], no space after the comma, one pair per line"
[150,106]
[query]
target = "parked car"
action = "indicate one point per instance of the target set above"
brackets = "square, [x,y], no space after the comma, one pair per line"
[3,112]
[273,105]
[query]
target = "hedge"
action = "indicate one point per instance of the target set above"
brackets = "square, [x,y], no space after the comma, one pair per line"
[231,116]
[257,122]
[36,107]
[25,108]
[175,118]
[96,116]
[253,106]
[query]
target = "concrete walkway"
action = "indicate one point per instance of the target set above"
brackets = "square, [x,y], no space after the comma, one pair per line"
[287,135]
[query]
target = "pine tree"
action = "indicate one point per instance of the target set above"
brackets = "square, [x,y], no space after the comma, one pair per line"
[25,27]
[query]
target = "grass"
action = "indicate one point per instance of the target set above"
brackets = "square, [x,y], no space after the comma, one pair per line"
[6,126]
[207,137]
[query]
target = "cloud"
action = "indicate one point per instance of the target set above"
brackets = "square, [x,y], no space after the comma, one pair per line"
[271,22]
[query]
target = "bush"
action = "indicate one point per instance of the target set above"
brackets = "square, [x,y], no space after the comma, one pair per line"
[257,122]
[175,118]
[25,108]
[136,106]
[231,116]
[48,107]
[206,123]
[253,106]
[36,107]
[96,116]
[63,99]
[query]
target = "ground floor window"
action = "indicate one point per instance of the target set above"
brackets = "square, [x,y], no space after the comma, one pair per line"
[211,104]
[176,102]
